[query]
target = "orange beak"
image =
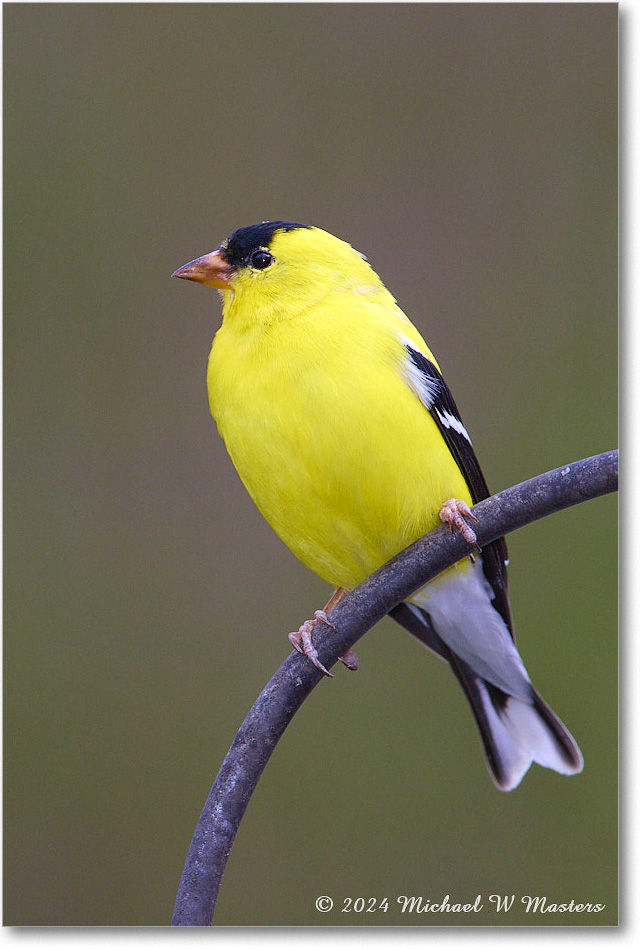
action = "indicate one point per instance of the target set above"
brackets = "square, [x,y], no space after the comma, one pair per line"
[211,269]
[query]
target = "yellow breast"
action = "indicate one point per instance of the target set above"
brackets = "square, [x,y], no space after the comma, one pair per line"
[337,452]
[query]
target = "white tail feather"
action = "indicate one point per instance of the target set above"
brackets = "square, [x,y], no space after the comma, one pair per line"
[516,725]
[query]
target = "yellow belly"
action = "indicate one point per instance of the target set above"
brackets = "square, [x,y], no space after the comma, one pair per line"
[337,452]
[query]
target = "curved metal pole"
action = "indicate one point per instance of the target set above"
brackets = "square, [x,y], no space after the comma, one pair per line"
[362,608]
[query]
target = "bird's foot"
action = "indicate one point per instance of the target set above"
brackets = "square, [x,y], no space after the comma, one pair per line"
[454,511]
[301,639]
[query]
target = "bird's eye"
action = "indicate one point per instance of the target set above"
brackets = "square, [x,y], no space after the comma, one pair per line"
[261,259]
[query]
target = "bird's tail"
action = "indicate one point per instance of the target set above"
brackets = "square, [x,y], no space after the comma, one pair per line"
[515,730]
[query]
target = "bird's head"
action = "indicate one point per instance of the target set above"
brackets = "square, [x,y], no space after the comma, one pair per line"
[277,269]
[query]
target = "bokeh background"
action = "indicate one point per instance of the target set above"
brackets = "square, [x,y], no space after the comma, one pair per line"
[471,152]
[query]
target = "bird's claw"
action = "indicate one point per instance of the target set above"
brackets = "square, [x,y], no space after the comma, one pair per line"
[454,511]
[350,659]
[301,640]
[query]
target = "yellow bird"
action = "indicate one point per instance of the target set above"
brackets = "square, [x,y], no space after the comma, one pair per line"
[339,422]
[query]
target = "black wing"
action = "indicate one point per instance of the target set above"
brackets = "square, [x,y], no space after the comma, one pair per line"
[430,387]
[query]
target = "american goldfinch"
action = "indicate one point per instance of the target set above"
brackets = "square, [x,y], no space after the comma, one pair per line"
[339,422]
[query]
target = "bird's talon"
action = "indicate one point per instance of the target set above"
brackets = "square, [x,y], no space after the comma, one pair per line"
[301,640]
[350,659]
[314,659]
[321,617]
[295,640]
[453,512]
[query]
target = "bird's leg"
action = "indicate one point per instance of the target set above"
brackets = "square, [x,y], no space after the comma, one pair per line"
[301,639]
[349,658]
[453,512]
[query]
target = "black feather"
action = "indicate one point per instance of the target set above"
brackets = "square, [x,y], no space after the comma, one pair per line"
[238,248]
[417,622]
[441,405]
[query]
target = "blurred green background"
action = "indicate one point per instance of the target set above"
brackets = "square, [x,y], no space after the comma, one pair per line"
[471,152]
